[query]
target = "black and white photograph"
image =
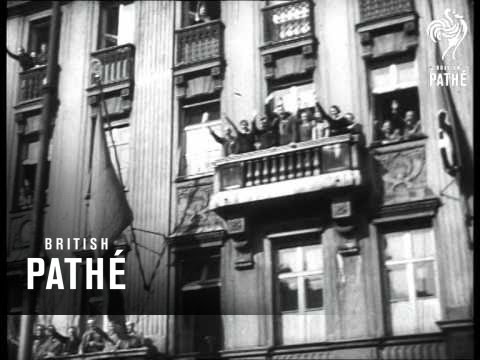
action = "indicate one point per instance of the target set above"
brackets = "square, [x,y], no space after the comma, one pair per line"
[239,179]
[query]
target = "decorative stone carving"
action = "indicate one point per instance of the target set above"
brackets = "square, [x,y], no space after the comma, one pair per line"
[193,214]
[237,230]
[403,174]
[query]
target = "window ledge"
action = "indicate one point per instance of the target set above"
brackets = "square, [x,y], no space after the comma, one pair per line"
[185,178]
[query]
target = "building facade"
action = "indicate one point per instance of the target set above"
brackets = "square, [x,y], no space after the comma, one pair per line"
[347,246]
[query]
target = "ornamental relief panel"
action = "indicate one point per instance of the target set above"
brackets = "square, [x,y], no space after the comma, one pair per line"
[193,215]
[403,175]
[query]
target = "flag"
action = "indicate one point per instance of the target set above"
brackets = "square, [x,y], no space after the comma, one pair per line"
[109,212]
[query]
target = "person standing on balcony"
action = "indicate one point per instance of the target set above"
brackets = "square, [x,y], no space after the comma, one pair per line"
[228,141]
[24,59]
[266,135]
[321,127]
[306,126]
[53,345]
[42,57]
[244,138]
[339,124]
[39,341]
[201,14]
[287,125]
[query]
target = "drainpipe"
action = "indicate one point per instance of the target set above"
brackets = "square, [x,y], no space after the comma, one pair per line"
[48,112]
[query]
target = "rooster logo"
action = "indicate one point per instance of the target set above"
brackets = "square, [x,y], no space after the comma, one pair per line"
[451,27]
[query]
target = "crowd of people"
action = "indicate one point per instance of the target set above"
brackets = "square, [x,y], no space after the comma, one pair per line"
[49,343]
[281,127]
[396,127]
[30,60]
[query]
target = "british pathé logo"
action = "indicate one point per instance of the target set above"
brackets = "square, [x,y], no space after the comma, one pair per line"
[451,27]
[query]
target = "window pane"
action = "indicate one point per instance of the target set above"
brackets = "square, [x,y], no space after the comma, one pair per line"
[424,279]
[396,247]
[398,283]
[313,258]
[422,243]
[288,294]
[314,292]
[288,261]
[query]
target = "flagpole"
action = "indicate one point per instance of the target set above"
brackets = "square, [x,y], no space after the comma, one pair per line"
[48,111]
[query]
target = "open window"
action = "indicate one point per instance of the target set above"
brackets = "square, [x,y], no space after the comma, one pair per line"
[38,34]
[118,143]
[117,23]
[396,104]
[199,321]
[411,280]
[197,12]
[199,148]
[28,153]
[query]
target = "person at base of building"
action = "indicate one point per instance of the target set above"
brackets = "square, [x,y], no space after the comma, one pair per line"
[53,345]
[39,337]
[94,338]
[117,336]
[135,339]
[73,341]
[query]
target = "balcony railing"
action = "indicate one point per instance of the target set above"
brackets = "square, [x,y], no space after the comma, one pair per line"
[380,9]
[31,82]
[288,21]
[199,43]
[117,64]
[287,170]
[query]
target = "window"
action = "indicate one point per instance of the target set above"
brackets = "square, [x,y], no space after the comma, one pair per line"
[38,35]
[299,291]
[412,281]
[119,148]
[199,325]
[395,98]
[200,148]
[196,12]
[29,146]
[117,23]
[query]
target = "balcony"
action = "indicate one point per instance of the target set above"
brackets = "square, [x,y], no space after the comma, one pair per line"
[199,44]
[287,22]
[116,65]
[371,10]
[306,167]
[116,68]
[30,84]
[289,47]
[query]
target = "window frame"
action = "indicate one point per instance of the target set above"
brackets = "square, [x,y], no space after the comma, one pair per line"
[272,242]
[109,129]
[417,224]
[196,102]
[27,26]
[211,254]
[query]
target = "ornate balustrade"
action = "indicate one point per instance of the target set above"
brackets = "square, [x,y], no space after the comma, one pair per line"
[117,64]
[379,9]
[199,43]
[288,21]
[31,82]
[287,170]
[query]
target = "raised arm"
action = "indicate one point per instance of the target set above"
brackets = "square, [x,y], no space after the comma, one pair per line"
[231,123]
[216,137]
[322,111]
[12,55]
